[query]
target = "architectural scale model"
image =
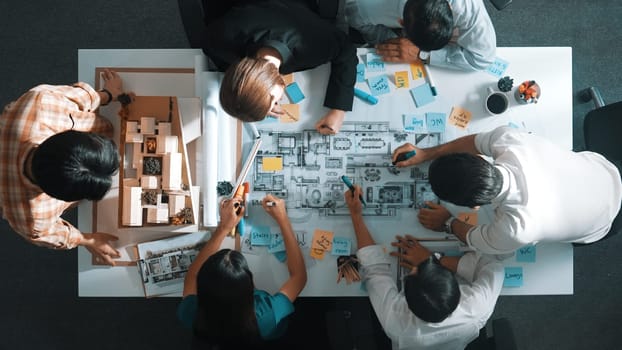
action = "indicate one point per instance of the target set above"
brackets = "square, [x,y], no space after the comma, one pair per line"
[305,168]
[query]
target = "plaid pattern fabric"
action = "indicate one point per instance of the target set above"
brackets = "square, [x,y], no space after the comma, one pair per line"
[38,114]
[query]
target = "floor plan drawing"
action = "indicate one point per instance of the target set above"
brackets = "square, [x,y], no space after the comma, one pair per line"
[305,169]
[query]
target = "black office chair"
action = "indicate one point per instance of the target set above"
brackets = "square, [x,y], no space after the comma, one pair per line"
[502,337]
[602,126]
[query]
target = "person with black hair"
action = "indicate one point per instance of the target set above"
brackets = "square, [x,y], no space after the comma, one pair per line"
[446,300]
[55,150]
[449,33]
[540,192]
[220,302]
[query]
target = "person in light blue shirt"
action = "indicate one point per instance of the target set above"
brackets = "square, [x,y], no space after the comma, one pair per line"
[455,34]
[220,302]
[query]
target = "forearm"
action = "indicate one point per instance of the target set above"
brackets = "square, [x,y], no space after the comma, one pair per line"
[460,229]
[363,237]
[295,261]
[450,263]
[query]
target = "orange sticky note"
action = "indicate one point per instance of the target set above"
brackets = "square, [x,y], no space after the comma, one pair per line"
[459,117]
[401,79]
[468,218]
[416,69]
[322,240]
[317,253]
[289,78]
[272,164]
[292,113]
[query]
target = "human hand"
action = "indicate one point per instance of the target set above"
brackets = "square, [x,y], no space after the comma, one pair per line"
[231,211]
[419,157]
[398,50]
[98,244]
[434,216]
[331,122]
[353,201]
[113,83]
[277,211]
[277,111]
[410,252]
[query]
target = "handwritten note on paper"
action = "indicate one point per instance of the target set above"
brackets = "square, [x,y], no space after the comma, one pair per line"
[322,240]
[374,62]
[415,123]
[294,93]
[416,69]
[260,235]
[422,95]
[513,277]
[360,73]
[317,253]
[468,218]
[498,67]
[526,254]
[272,164]
[341,246]
[379,85]
[435,122]
[459,117]
[401,80]
[276,243]
[288,78]
[292,113]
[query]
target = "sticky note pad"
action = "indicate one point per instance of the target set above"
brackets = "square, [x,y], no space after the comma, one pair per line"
[401,80]
[416,69]
[322,240]
[272,164]
[422,95]
[292,113]
[374,62]
[276,243]
[498,67]
[415,123]
[513,277]
[379,85]
[526,254]
[459,117]
[294,93]
[435,122]
[468,218]
[260,235]
[341,246]
[281,256]
[288,78]
[317,253]
[360,73]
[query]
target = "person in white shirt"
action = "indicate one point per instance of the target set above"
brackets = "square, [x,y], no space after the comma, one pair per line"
[540,192]
[457,34]
[445,301]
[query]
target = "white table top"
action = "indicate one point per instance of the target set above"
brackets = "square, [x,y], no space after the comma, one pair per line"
[551,118]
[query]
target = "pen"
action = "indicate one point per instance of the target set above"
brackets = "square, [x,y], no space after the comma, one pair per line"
[404,156]
[351,187]
[270,204]
[427,74]
[365,96]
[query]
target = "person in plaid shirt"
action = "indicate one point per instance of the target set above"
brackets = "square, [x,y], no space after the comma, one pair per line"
[55,151]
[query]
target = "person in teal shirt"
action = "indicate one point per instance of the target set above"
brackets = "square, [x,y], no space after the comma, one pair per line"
[220,302]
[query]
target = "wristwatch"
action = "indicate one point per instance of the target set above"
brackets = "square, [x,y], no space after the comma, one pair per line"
[438,255]
[448,225]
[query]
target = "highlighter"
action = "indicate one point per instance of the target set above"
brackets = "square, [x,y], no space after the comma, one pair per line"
[365,96]
[346,180]
[404,156]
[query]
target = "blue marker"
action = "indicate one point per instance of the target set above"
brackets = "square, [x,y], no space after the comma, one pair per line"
[351,187]
[241,227]
[403,156]
[365,96]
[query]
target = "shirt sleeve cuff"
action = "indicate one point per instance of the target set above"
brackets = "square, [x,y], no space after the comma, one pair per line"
[286,54]
[466,266]
[371,255]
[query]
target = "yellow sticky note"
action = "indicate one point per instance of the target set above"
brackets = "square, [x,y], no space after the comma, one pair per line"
[468,218]
[322,240]
[317,253]
[401,79]
[289,78]
[459,117]
[272,164]
[417,70]
[292,113]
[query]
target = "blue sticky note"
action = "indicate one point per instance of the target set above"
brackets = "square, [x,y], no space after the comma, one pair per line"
[375,63]
[360,73]
[415,123]
[422,94]
[276,243]
[513,277]
[281,256]
[341,246]
[269,119]
[498,67]
[435,122]
[294,93]
[260,235]
[526,254]
[379,85]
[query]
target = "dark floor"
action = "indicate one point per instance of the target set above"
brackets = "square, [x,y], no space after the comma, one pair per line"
[38,299]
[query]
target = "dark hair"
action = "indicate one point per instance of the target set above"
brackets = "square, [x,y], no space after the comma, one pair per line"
[429,24]
[433,292]
[226,307]
[74,165]
[245,88]
[465,179]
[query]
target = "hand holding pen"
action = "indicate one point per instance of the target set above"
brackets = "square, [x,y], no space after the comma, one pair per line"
[275,207]
[231,211]
[353,200]
[407,155]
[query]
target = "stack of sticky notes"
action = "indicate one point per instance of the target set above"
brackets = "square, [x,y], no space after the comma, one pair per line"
[422,94]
